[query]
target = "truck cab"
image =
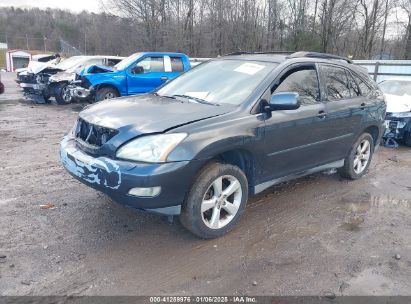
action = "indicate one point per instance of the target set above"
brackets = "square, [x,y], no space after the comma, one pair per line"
[136,74]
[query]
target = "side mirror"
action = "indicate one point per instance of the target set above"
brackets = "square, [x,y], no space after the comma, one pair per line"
[284,101]
[137,70]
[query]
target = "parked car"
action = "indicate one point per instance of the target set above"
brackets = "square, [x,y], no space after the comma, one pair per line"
[139,73]
[398,120]
[46,59]
[41,88]
[227,129]
[58,84]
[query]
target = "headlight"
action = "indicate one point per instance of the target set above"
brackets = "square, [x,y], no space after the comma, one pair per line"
[150,148]
[401,114]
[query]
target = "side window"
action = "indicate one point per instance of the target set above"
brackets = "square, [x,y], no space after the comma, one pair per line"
[365,89]
[95,61]
[336,82]
[177,64]
[302,80]
[152,64]
[354,89]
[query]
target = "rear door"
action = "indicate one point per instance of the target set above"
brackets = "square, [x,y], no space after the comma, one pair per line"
[294,138]
[151,74]
[345,109]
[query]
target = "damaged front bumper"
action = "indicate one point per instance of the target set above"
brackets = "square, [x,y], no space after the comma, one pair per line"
[116,178]
[80,93]
[396,127]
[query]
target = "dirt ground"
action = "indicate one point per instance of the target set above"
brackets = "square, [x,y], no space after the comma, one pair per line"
[314,236]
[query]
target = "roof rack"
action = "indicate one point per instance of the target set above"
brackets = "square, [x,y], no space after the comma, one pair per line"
[318,55]
[258,53]
[293,55]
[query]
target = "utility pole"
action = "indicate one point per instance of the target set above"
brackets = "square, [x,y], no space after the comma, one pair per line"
[27,42]
[85,43]
[45,46]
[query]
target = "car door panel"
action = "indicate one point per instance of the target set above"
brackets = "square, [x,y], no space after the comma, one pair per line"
[294,139]
[344,110]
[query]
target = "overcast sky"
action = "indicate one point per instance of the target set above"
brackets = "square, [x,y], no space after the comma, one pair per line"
[73,5]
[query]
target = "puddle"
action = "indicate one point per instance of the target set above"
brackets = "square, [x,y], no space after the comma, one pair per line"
[353,223]
[369,282]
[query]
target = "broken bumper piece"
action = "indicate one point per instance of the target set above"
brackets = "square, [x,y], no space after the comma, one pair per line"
[80,92]
[116,178]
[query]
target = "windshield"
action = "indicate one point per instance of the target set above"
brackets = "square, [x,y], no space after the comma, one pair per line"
[70,62]
[127,61]
[219,81]
[396,87]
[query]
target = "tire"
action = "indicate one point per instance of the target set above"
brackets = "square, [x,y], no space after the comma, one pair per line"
[106,93]
[359,158]
[62,94]
[208,212]
[407,138]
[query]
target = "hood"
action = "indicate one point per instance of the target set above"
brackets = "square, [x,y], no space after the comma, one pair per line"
[95,69]
[36,67]
[62,76]
[149,113]
[396,103]
[98,68]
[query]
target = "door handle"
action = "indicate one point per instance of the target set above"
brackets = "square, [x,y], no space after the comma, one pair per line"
[321,115]
[165,78]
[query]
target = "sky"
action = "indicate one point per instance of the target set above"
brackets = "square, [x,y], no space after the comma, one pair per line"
[73,5]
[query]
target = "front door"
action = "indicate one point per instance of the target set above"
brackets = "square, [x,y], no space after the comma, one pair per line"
[294,138]
[146,75]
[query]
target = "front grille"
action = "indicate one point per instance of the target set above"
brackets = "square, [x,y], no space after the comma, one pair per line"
[92,134]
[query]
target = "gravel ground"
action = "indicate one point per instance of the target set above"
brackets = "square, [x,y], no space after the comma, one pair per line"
[319,235]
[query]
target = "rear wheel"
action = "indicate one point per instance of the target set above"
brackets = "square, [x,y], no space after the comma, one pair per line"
[407,138]
[216,201]
[359,158]
[106,93]
[62,94]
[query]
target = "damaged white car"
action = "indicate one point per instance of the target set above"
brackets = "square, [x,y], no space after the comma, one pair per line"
[398,119]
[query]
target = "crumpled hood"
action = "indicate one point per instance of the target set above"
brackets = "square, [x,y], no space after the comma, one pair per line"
[62,76]
[148,113]
[35,67]
[396,103]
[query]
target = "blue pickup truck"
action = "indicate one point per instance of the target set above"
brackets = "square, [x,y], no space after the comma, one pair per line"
[136,74]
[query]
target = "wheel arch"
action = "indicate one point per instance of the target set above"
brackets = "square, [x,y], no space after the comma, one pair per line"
[241,158]
[108,85]
[374,131]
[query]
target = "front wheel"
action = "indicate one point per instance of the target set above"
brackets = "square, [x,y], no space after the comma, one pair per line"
[359,158]
[216,200]
[62,94]
[106,93]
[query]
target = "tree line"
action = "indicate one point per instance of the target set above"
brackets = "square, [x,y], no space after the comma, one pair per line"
[206,28]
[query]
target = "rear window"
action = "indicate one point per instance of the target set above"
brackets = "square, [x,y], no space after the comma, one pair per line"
[177,64]
[336,82]
[365,89]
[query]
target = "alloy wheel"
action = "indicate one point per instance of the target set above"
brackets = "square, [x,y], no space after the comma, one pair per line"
[221,202]
[362,156]
[109,95]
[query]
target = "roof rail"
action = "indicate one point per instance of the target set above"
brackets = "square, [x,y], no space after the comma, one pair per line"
[318,55]
[258,53]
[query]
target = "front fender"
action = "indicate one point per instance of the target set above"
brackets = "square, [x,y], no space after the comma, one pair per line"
[117,80]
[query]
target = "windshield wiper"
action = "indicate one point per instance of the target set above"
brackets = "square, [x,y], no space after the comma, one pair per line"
[199,100]
[165,96]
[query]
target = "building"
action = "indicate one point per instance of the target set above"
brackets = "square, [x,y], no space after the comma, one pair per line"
[16,59]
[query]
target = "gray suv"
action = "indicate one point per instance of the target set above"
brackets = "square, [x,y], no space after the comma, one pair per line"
[229,128]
